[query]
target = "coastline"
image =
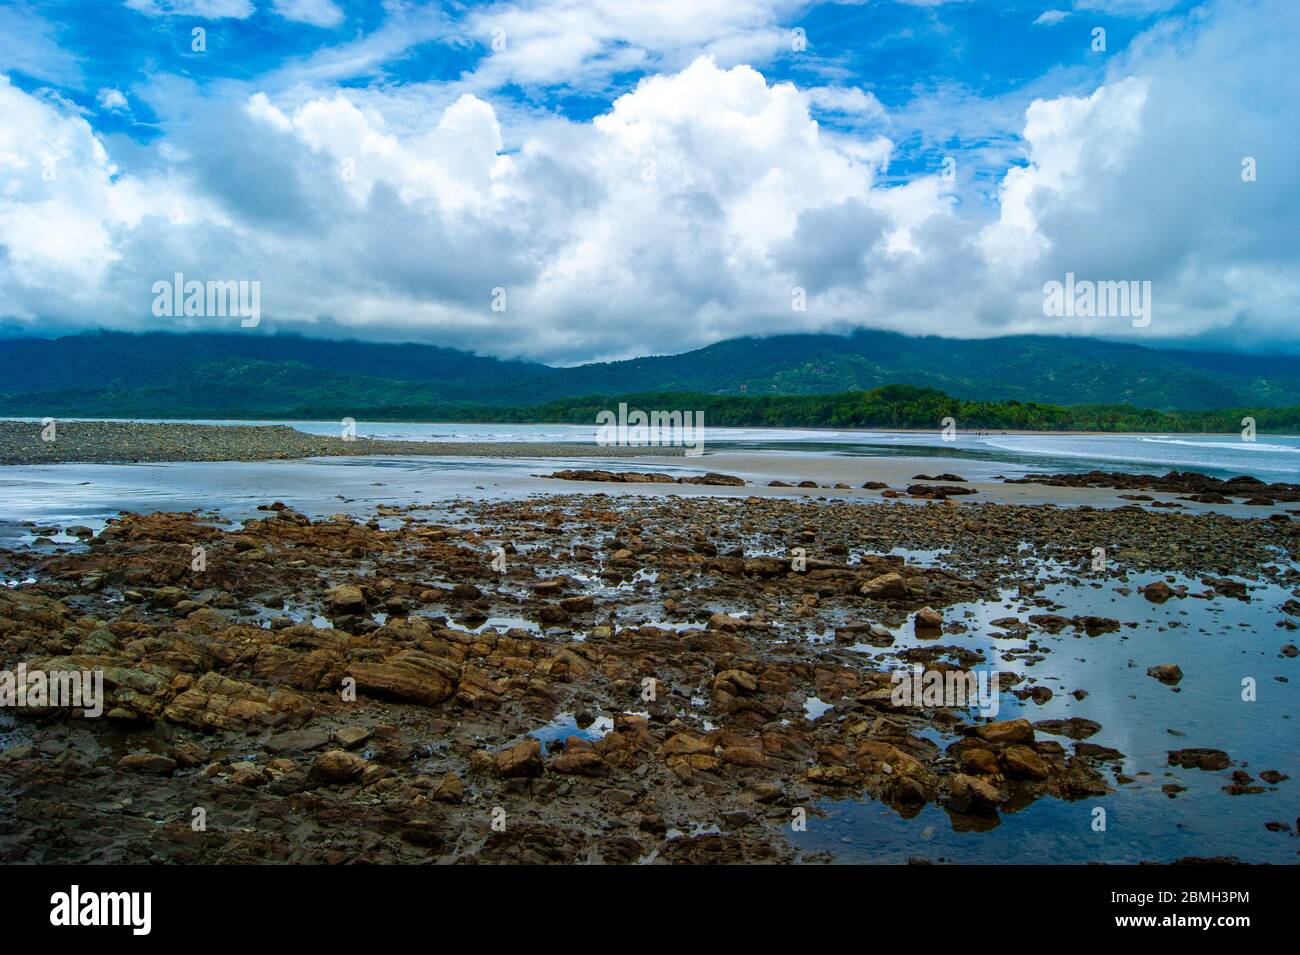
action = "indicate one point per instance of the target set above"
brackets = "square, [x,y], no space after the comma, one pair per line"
[290,422]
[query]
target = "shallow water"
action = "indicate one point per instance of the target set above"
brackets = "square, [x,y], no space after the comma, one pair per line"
[318,487]
[1217,643]
[565,725]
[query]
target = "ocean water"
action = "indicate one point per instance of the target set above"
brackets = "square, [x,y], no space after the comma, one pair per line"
[1269,457]
[1218,643]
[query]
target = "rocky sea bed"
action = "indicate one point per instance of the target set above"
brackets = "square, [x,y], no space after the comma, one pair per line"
[588,678]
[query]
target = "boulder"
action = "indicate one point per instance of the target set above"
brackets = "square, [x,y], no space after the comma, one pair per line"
[410,675]
[1169,673]
[891,585]
[1157,592]
[151,763]
[336,767]
[1006,731]
[521,760]
[1209,760]
[1020,762]
[928,621]
[970,795]
[345,599]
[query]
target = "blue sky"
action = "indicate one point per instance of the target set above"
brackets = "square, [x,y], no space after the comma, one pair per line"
[644,176]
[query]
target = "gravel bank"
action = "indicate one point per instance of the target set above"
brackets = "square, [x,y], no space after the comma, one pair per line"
[109,442]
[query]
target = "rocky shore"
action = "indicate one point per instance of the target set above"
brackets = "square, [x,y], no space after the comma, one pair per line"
[1195,486]
[563,679]
[116,442]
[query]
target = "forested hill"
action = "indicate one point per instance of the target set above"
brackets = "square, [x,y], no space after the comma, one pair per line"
[246,375]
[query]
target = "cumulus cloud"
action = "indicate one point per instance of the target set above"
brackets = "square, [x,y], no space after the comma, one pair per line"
[545,42]
[1051,17]
[691,209]
[319,13]
[111,99]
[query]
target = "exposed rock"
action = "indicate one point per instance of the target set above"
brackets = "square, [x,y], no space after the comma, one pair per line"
[1206,759]
[1169,673]
[147,763]
[336,767]
[1006,732]
[522,759]
[345,599]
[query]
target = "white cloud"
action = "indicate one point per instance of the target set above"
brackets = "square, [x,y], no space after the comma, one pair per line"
[1074,143]
[205,9]
[111,99]
[847,101]
[577,42]
[685,212]
[27,44]
[1126,8]
[1050,18]
[60,208]
[319,13]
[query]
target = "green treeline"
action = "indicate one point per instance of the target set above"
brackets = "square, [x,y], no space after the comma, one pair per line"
[893,406]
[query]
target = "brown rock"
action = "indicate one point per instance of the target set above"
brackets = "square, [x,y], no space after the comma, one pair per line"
[335,767]
[1006,731]
[889,585]
[1169,673]
[1021,762]
[409,675]
[345,599]
[973,796]
[684,744]
[1157,592]
[449,789]
[350,737]
[578,762]
[521,760]
[928,621]
[982,761]
[147,763]
[1209,760]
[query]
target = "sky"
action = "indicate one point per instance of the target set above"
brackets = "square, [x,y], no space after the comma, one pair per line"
[579,180]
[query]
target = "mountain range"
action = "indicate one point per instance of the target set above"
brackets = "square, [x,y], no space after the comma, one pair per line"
[108,374]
